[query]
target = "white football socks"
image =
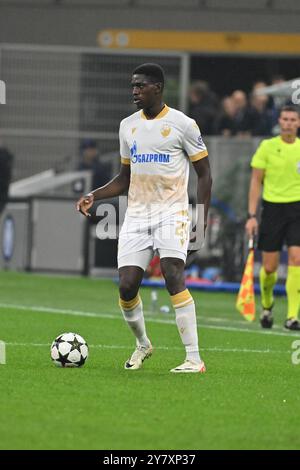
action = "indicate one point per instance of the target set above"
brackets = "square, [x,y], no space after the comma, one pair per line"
[133,313]
[186,321]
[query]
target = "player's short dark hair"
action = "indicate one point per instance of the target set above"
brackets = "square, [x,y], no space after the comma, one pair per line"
[290,108]
[153,71]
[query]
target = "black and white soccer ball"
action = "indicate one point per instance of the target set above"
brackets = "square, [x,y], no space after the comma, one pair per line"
[69,350]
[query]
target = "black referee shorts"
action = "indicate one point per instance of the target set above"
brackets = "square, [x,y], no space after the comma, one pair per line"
[280,223]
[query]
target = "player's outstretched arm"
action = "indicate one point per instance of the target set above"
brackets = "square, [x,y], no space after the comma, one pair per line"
[117,186]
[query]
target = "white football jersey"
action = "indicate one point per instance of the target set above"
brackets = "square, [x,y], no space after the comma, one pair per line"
[158,152]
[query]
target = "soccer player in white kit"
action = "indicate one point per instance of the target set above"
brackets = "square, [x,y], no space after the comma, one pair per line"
[156,145]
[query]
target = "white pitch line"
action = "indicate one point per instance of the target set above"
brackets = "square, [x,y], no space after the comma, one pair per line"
[247,330]
[230,320]
[167,348]
[38,308]
[35,308]
[60,311]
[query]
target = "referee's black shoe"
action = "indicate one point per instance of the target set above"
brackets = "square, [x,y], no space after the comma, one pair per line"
[266,318]
[292,324]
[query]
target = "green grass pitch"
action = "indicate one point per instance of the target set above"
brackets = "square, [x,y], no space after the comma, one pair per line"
[248,399]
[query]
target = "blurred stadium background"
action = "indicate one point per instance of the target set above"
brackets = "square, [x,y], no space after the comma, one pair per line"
[67,65]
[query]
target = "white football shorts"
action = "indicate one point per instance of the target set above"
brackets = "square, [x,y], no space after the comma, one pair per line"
[138,240]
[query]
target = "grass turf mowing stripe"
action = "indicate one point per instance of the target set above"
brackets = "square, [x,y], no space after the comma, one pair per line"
[167,348]
[37,308]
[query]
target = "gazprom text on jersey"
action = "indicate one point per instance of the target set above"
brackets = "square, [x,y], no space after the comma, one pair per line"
[151,158]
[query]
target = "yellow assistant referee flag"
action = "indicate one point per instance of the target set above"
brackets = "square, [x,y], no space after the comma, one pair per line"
[245,302]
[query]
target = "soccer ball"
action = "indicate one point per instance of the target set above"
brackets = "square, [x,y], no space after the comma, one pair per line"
[69,350]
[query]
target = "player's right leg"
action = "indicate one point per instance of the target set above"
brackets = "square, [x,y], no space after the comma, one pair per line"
[267,279]
[133,258]
[132,309]
[271,236]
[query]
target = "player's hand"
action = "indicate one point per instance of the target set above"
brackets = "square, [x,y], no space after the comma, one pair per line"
[193,239]
[251,227]
[190,250]
[85,203]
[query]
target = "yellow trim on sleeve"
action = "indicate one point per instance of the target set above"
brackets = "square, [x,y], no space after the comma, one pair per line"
[198,156]
[125,160]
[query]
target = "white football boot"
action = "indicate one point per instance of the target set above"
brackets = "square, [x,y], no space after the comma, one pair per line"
[190,367]
[140,354]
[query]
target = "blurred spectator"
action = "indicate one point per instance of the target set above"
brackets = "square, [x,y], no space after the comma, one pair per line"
[203,106]
[239,98]
[238,115]
[258,118]
[225,123]
[6,163]
[89,160]
[254,118]
[279,101]
[240,103]
[259,84]
[277,79]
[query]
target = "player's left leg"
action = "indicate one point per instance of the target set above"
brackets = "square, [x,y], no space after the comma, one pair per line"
[293,288]
[267,280]
[183,303]
[293,277]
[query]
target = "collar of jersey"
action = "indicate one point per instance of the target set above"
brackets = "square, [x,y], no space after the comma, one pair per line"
[287,143]
[163,112]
